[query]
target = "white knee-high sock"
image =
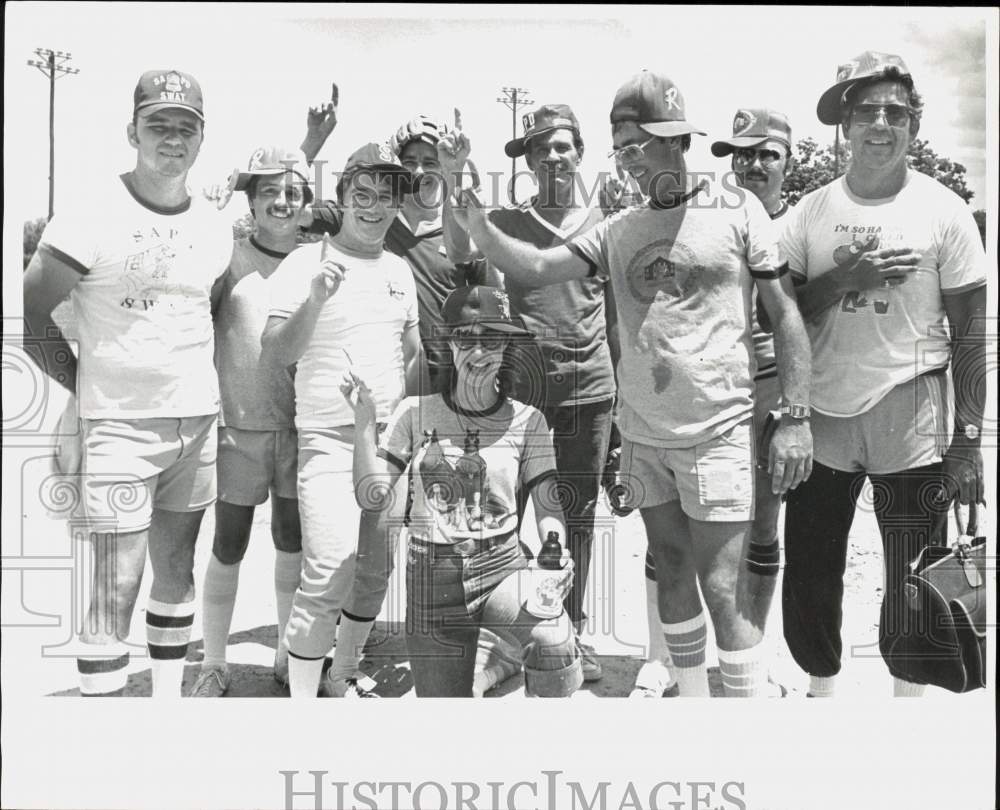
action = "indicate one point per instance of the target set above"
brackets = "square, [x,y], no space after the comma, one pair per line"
[351,637]
[822,687]
[687,641]
[901,688]
[168,631]
[743,671]
[287,574]
[303,676]
[218,602]
[103,669]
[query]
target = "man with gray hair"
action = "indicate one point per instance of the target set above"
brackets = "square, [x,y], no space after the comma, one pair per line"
[892,287]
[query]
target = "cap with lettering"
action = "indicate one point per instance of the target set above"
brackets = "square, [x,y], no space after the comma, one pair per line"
[653,102]
[270,160]
[161,89]
[751,127]
[486,306]
[867,65]
[545,119]
[380,159]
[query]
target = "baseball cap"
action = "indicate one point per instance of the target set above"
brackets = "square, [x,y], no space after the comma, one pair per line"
[273,160]
[544,119]
[863,66]
[160,89]
[486,306]
[379,158]
[753,126]
[655,103]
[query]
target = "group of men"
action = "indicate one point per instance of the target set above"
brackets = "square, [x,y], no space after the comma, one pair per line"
[654,321]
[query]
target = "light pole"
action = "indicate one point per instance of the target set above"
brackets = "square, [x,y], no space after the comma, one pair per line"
[513,97]
[52,64]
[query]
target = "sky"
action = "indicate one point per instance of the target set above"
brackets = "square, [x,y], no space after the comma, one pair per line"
[261,66]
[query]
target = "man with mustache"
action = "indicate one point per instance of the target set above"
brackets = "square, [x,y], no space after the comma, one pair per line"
[683,272]
[892,277]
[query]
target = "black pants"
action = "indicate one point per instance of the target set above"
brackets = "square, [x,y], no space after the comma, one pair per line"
[818,519]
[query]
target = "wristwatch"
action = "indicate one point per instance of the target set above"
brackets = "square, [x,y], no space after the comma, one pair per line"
[795,411]
[971,432]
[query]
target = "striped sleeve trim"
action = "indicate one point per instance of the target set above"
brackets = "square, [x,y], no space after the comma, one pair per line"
[65,258]
[395,462]
[975,285]
[538,478]
[576,251]
[777,272]
[167,652]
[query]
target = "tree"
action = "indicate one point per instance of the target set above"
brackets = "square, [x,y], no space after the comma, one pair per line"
[813,167]
[980,217]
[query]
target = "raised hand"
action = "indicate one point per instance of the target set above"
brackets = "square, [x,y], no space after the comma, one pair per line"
[222,193]
[321,120]
[331,274]
[454,148]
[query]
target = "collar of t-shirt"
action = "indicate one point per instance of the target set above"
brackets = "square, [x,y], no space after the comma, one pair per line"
[424,226]
[782,210]
[573,221]
[681,200]
[274,254]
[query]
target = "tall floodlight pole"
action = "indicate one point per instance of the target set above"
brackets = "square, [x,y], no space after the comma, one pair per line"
[513,97]
[52,65]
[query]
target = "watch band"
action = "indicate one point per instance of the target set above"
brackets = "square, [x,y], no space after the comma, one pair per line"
[795,411]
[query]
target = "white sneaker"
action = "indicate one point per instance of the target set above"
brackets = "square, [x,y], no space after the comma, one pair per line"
[652,680]
[358,685]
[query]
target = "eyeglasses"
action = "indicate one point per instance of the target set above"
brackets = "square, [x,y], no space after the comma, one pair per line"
[896,115]
[746,157]
[490,341]
[630,153]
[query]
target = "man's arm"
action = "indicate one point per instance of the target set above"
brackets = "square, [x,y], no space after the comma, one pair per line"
[47,281]
[414,366]
[888,267]
[521,261]
[963,463]
[285,339]
[790,457]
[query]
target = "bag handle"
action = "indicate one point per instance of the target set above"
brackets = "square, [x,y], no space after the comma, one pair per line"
[969,519]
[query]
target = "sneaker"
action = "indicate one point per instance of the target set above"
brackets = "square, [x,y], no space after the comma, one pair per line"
[356,686]
[493,675]
[652,681]
[212,682]
[588,662]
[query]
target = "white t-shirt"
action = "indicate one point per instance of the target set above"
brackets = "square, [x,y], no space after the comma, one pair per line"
[682,279]
[872,341]
[366,317]
[142,306]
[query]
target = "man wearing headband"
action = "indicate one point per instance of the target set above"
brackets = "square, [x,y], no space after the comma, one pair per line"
[883,256]
[683,272]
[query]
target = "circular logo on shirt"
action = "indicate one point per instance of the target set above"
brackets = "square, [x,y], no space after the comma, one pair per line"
[665,267]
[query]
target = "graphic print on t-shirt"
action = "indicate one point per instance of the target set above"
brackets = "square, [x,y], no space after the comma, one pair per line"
[458,495]
[663,266]
[863,239]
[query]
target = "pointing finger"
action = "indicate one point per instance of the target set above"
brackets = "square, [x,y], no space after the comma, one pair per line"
[334,93]
[458,119]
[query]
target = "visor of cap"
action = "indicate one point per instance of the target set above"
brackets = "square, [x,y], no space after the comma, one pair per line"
[274,160]
[670,129]
[149,107]
[723,148]
[864,66]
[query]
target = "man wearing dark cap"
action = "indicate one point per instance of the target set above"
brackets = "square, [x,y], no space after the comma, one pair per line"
[683,273]
[573,384]
[139,266]
[337,306]
[885,257]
